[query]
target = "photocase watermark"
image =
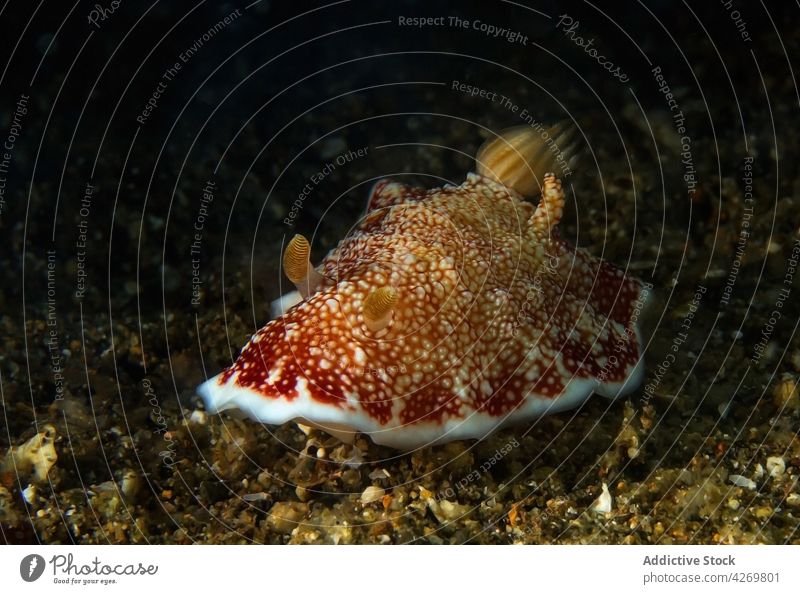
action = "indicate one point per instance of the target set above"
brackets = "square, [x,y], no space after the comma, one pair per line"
[8,145]
[678,121]
[101,13]
[80,243]
[167,455]
[738,21]
[744,233]
[454,22]
[379,372]
[183,58]
[622,343]
[677,342]
[569,27]
[523,114]
[195,249]
[318,177]
[485,466]
[533,297]
[66,571]
[31,567]
[52,340]
[783,296]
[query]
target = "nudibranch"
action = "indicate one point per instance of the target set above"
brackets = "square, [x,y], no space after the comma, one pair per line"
[446,314]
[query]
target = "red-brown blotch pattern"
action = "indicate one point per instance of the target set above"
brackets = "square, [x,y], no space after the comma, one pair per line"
[494,311]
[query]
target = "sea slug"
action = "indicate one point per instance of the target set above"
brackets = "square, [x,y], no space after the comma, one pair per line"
[445,315]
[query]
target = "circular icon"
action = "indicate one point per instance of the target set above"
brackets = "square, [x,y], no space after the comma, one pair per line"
[31,567]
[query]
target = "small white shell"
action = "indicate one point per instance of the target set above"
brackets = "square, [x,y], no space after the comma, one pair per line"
[372,494]
[742,481]
[605,503]
[776,466]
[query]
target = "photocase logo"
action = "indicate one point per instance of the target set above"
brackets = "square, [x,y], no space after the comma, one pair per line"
[31,567]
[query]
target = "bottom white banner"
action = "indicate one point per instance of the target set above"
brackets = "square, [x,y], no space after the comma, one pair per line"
[345,569]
